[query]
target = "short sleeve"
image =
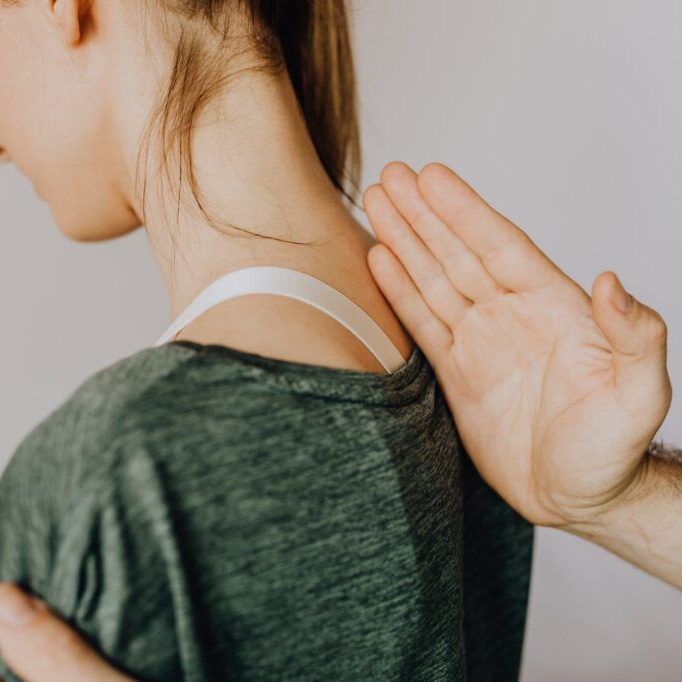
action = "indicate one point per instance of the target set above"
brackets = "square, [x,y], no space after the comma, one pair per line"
[107,561]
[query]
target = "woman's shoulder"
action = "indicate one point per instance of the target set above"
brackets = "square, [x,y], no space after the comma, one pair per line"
[163,402]
[75,435]
[140,401]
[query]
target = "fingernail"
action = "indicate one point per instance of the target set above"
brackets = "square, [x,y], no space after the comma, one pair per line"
[17,608]
[621,298]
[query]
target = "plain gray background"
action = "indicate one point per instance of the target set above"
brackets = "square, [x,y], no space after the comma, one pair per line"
[567,117]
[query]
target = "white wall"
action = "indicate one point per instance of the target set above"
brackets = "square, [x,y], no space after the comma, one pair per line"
[567,117]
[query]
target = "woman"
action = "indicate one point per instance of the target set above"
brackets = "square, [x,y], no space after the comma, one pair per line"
[631,524]
[275,488]
[635,523]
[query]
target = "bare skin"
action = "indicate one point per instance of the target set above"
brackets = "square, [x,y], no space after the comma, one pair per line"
[27,626]
[79,84]
[597,497]
[79,80]
[573,396]
[557,394]
[555,406]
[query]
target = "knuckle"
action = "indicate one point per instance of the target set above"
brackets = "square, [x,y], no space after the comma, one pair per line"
[658,326]
[513,242]
[429,285]
[432,284]
[422,219]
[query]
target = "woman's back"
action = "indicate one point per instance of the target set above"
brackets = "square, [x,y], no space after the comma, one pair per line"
[202,513]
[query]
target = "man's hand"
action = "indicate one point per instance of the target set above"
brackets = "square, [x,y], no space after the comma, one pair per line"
[556,394]
[40,647]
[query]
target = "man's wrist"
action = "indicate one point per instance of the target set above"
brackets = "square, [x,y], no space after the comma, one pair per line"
[659,478]
[644,524]
[598,520]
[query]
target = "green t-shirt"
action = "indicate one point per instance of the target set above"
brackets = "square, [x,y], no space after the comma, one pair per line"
[202,513]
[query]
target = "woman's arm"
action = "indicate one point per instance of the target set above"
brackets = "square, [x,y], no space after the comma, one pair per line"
[93,544]
[40,647]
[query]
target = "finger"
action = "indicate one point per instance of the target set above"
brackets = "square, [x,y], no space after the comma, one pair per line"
[638,337]
[428,331]
[425,270]
[461,265]
[505,250]
[40,647]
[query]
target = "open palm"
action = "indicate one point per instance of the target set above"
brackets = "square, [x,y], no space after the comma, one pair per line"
[555,409]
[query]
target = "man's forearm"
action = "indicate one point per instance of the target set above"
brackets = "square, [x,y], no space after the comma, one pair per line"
[646,527]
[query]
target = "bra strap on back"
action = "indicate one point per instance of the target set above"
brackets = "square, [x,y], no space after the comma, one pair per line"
[298,285]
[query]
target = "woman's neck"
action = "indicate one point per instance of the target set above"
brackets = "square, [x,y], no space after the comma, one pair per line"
[257,169]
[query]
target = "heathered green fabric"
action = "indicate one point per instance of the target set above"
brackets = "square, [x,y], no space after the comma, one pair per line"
[202,513]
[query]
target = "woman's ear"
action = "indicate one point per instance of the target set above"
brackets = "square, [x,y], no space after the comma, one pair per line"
[68,15]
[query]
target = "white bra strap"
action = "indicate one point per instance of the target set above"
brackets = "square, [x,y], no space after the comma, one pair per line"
[298,285]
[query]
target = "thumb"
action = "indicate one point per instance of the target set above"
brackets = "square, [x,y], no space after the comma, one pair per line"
[38,646]
[638,338]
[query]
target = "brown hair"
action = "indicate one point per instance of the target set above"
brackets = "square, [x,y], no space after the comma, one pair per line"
[310,38]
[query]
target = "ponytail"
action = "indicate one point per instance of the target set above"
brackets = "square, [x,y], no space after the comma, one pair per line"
[315,40]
